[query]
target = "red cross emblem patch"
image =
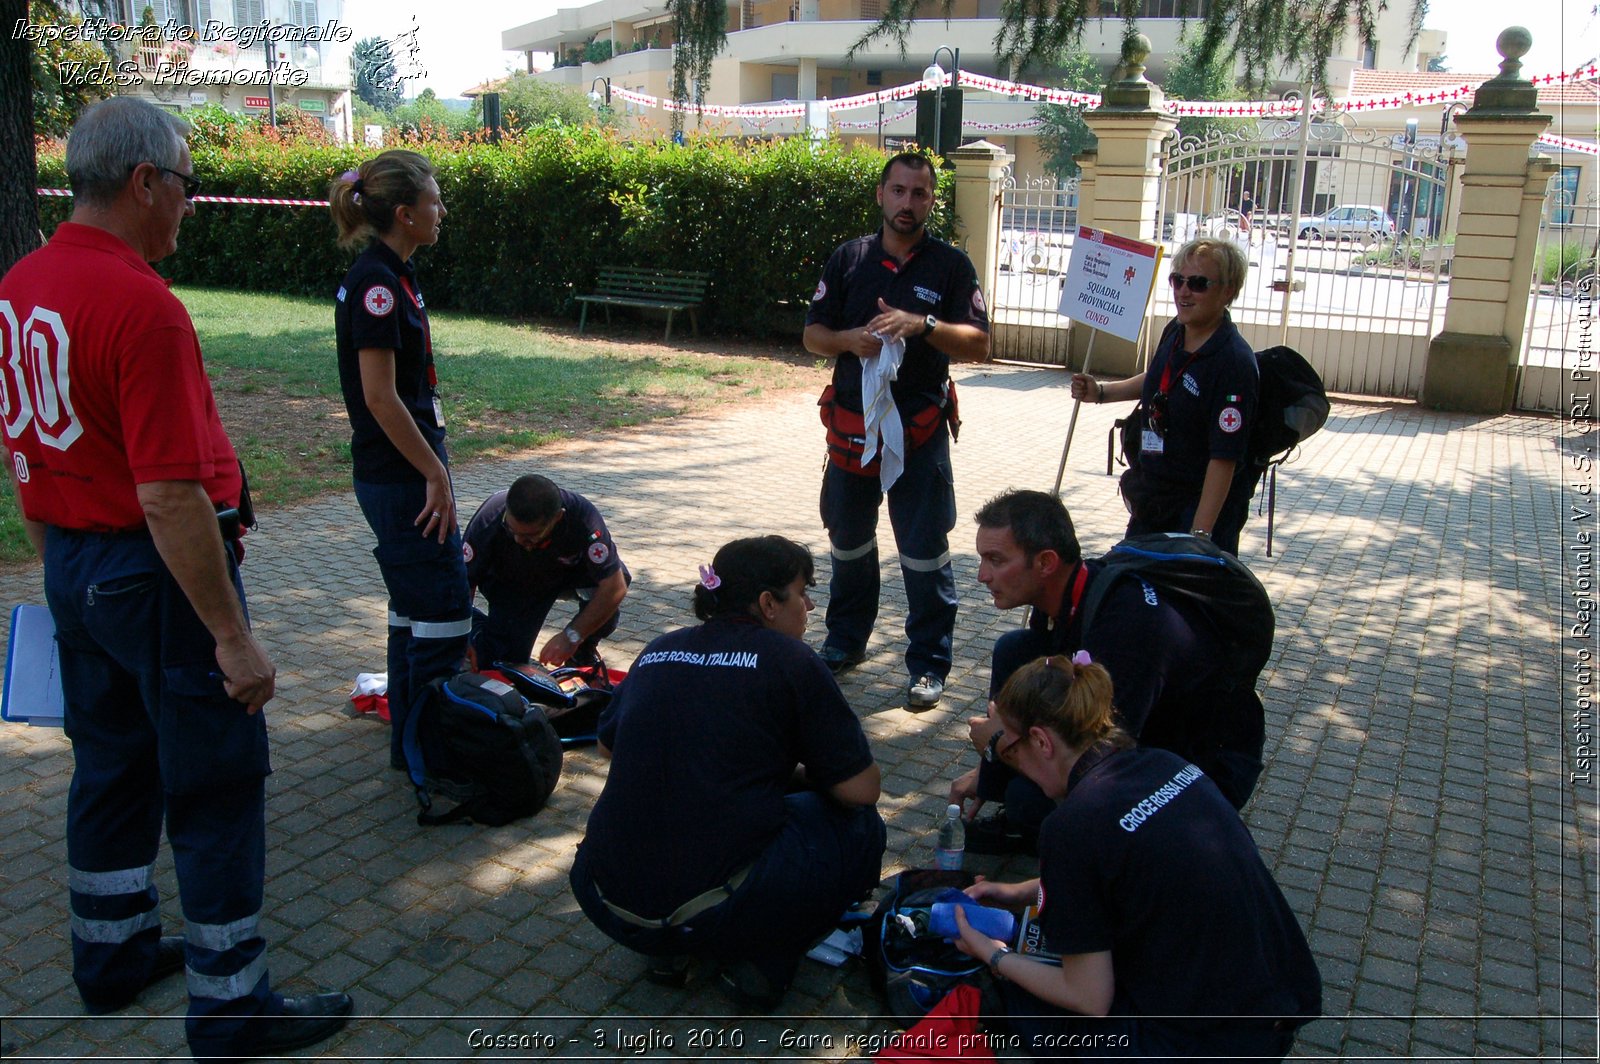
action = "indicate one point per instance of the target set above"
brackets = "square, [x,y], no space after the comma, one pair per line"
[379,301]
[1230,419]
[598,553]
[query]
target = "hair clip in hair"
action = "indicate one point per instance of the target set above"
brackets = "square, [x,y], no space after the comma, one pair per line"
[709,578]
[1082,658]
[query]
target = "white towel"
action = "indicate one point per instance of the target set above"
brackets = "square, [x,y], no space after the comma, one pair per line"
[880,414]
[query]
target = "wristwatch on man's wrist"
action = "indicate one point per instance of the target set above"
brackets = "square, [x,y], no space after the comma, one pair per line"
[573,635]
[928,324]
[1202,533]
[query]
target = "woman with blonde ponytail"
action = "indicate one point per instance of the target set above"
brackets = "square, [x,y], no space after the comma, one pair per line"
[1173,940]
[402,473]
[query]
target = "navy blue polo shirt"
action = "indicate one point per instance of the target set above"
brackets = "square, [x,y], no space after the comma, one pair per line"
[1146,858]
[705,734]
[1210,406]
[380,306]
[935,278]
[580,553]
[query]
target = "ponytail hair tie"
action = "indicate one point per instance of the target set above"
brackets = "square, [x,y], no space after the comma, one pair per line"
[709,578]
[1082,658]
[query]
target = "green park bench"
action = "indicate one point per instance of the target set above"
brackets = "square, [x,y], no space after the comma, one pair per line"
[651,288]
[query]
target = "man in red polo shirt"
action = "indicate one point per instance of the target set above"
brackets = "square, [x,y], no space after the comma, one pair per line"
[130,491]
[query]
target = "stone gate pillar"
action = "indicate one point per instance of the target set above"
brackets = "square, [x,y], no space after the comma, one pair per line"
[1125,185]
[1472,364]
[980,175]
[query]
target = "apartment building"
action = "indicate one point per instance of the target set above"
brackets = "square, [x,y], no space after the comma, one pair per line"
[247,56]
[795,50]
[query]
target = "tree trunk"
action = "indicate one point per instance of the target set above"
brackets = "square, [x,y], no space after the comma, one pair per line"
[19,207]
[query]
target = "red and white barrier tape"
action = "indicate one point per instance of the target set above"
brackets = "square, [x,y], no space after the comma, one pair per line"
[257,201]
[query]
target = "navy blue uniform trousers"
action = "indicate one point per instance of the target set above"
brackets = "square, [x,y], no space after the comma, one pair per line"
[1026,804]
[507,631]
[922,511]
[430,615]
[154,735]
[824,859]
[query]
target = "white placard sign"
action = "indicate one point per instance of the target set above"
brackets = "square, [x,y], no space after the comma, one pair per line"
[1109,281]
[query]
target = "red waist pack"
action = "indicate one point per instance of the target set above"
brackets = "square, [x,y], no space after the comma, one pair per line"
[847,429]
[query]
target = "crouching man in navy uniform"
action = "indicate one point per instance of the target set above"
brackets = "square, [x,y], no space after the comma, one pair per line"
[1168,662]
[898,293]
[525,548]
[130,492]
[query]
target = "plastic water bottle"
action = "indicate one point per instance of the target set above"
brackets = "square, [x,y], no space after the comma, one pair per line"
[952,841]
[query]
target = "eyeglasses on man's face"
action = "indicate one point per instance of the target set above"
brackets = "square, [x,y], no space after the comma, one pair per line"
[191,184]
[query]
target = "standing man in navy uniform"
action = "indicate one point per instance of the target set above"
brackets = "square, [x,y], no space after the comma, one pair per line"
[525,548]
[898,284]
[131,493]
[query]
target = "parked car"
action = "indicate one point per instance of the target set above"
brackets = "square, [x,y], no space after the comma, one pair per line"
[1356,222]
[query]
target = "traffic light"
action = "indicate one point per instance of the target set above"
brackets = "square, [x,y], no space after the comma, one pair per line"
[947,137]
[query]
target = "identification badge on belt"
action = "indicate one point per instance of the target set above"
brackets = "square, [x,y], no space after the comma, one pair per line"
[1150,442]
[438,413]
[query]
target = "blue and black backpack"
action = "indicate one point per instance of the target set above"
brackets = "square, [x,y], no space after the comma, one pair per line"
[478,742]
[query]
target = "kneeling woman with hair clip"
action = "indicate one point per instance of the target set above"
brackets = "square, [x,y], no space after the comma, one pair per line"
[739,817]
[1173,938]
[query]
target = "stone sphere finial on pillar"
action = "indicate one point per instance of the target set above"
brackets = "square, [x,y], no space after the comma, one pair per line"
[1507,92]
[1128,90]
[1136,48]
[1512,44]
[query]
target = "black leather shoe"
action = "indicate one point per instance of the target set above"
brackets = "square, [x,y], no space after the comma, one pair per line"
[169,960]
[995,835]
[303,1021]
[839,661]
[670,971]
[749,987]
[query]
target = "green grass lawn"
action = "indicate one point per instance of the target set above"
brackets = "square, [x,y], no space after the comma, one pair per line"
[506,386]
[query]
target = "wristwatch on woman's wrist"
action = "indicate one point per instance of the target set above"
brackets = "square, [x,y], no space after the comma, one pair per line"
[1202,533]
[573,635]
[994,960]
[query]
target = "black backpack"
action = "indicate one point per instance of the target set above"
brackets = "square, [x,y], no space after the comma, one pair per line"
[912,967]
[1290,406]
[478,742]
[1204,578]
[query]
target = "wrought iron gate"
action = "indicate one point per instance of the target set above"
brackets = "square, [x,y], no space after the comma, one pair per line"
[1349,234]
[1559,338]
[1033,243]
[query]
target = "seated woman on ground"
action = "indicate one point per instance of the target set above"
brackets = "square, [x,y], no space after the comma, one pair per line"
[700,845]
[1174,940]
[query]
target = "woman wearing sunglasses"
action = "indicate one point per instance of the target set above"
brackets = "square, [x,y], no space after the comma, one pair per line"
[1197,401]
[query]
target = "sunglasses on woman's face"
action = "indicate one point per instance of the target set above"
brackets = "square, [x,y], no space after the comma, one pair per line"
[1197,283]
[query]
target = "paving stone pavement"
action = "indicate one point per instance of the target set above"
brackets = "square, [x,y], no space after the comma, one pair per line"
[1416,806]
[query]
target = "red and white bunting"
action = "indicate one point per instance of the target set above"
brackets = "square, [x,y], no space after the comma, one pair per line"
[1568,144]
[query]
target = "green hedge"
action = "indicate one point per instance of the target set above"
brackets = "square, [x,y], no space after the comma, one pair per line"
[532,220]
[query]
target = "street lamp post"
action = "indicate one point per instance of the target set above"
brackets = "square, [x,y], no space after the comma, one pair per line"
[600,98]
[935,74]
